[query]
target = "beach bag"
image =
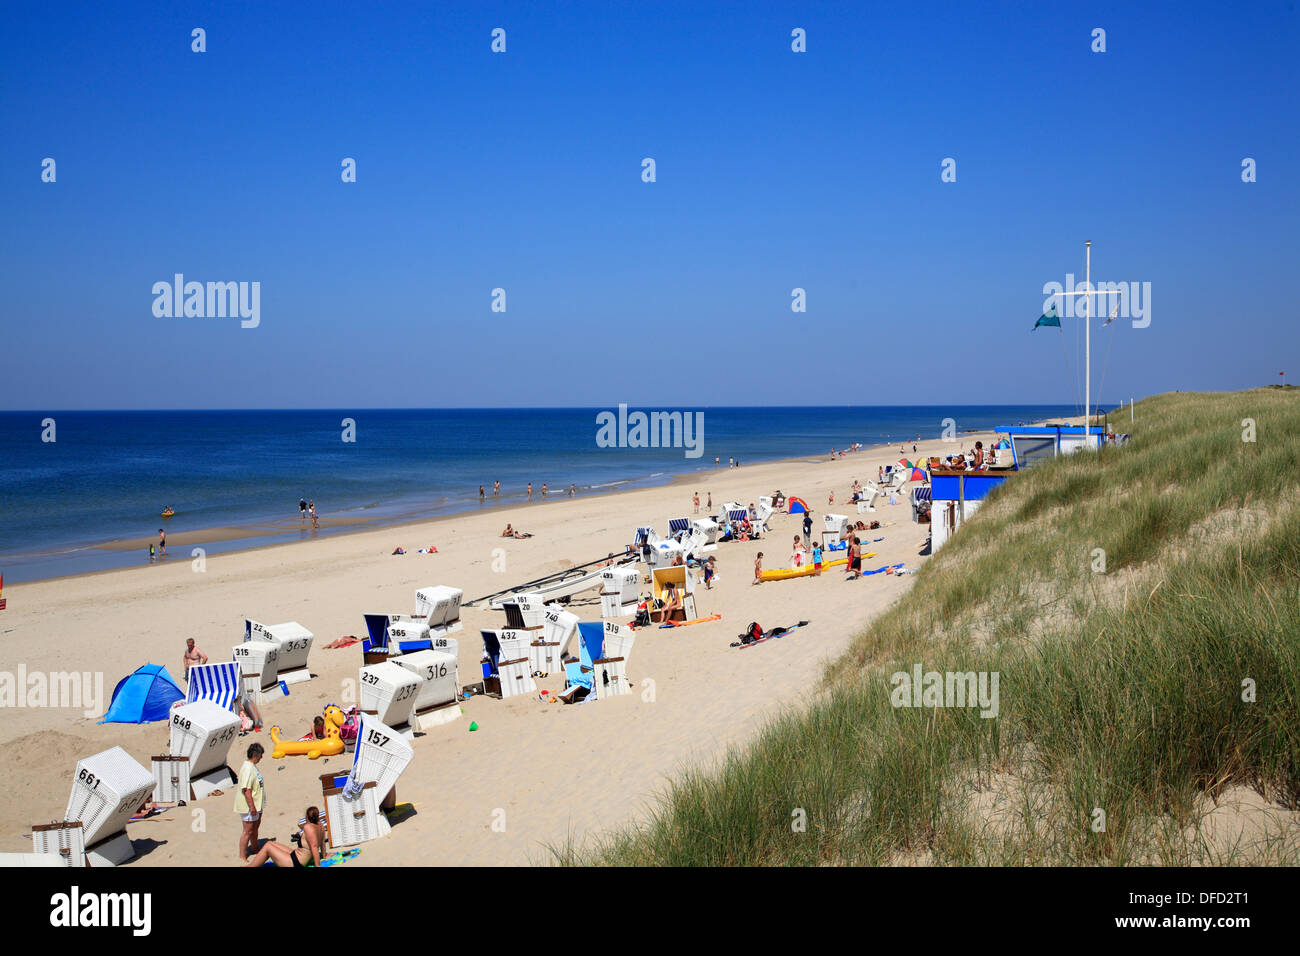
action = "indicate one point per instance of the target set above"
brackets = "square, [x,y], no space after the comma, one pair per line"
[351,724]
[752,633]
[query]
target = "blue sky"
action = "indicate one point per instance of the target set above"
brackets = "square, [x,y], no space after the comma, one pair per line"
[522,170]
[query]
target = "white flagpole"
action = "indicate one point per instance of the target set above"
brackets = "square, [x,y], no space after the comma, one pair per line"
[1087,339]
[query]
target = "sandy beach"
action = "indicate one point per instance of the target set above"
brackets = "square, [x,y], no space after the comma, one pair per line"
[559,773]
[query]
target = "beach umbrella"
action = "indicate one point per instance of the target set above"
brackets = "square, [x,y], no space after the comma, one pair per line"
[1003,444]
[918,475]
[145,695]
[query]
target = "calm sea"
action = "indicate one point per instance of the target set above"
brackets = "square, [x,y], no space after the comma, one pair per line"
[107,475]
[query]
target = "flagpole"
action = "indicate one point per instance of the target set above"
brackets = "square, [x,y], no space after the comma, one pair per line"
[1087,339]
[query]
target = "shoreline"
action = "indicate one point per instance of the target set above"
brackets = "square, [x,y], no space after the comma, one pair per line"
[292,534]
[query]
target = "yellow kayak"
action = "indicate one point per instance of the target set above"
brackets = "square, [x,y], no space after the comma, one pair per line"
[782,574]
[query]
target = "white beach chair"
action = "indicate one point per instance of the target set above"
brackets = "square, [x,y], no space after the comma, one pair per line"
[619,592]
[352,802]
[200,734]
[63,843]
[107,789]
[611,668]
[560,627]
[662,554]
[435,701]
[834,529]
[439,607]
[294,642]
[762,513]
[259,664]
[388,693]
[706,528]
[508,668]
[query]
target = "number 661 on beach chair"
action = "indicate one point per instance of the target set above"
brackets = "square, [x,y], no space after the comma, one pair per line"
[107,789]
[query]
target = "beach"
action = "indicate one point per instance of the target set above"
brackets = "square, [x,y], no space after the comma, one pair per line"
[534,775]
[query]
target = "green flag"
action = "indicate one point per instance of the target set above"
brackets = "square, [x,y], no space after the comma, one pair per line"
[1048,318]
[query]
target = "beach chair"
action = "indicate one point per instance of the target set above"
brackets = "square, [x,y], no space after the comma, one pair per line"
[610,671]
[546,655]
[435,700]
[643,539]
[352,800]
[619,591]
[663,553]
[578,681]
[107,789]
[683,581]
[677,527]
[64,843]
[761,515]
[376,646]
[200,734]
[439,607]
[294,642]
[218,683]
[835,528]
[507,668]
[259,664]
[388,693]
[706,529]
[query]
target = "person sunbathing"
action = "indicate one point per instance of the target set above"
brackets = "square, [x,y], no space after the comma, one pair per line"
[312,838]
[672,601]
[512,533]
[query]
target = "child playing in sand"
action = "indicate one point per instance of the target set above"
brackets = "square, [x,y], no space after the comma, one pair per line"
[758,568]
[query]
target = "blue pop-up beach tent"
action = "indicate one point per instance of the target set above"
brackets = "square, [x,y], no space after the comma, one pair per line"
[143,696]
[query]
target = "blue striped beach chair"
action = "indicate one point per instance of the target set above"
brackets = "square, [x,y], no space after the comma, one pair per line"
[218,683]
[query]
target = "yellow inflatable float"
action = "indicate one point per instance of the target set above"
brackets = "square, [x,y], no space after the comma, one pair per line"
[331,745]
[782,574]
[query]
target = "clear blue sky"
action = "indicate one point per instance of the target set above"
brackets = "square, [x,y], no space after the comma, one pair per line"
[523,171]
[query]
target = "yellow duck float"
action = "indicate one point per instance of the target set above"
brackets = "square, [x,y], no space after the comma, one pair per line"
[331,745]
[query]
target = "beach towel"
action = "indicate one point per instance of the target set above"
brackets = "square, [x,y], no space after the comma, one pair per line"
[883,569]
[748,640]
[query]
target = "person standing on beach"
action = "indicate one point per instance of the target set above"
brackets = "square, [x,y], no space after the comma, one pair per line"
[162,543]
[695,500]
[193,655]
[250,801]
[496,488]
[758,568]
[572,490]
[807,527]
[530,491]
[302,509]
[315,520]
[543,489]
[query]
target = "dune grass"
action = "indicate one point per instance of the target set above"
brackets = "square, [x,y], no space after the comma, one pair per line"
[1141,608]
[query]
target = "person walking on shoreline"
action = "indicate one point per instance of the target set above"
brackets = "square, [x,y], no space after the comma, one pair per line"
[530,491]
[162,543]
[481,494]
[496,488]
[302,509]
[311,510]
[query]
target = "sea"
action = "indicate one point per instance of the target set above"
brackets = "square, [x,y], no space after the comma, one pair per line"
[75,485]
